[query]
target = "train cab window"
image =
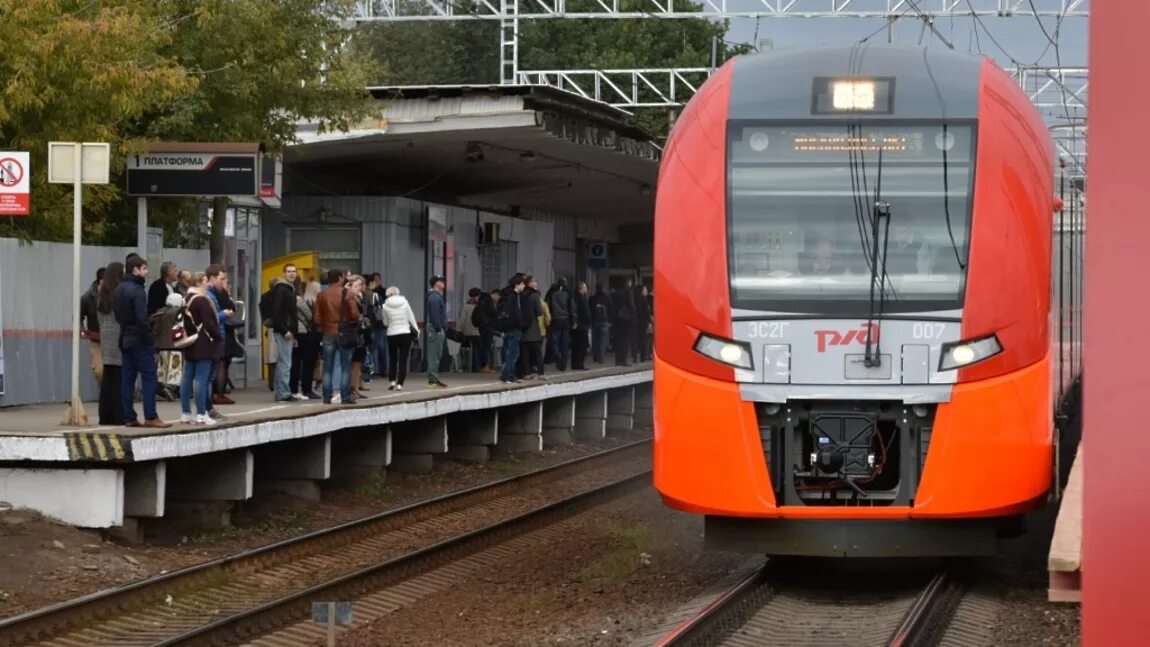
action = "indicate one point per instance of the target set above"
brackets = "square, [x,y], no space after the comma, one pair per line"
[801,225]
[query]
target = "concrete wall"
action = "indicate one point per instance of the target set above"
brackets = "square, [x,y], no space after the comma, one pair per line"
[36,302]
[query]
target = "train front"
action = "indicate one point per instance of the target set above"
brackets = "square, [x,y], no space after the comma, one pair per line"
[852,258]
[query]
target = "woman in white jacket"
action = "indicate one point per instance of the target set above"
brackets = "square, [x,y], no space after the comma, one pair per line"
[402,330]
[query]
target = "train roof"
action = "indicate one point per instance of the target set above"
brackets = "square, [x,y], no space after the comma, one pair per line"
[925,83]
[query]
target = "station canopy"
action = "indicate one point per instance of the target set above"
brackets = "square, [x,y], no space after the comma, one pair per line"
[487,147]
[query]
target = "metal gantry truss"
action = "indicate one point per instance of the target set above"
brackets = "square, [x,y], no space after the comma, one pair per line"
[1059,93]
[391,10]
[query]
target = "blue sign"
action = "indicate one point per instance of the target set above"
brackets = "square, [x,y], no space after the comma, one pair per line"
[597,255]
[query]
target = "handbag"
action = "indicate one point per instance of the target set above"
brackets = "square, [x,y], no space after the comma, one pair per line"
[348,336]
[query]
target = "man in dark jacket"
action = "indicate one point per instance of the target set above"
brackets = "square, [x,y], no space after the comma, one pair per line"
[559,333]
[436,329]
[600,323]
[622,323]
[283,322]
[167,283]
[130,306]
[511,321]
[580,327]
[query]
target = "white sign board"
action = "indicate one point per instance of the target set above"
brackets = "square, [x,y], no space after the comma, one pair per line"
[15,198]
[95,162]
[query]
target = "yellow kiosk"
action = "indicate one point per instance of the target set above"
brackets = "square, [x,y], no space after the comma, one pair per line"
[307,263]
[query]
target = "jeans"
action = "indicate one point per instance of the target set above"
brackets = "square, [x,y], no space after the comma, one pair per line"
[510,354]
[197,372]
[560,335]
[434,353]
[331,351]
[283,366]
[600,333]
[487,344]
[139,361]
[382,359]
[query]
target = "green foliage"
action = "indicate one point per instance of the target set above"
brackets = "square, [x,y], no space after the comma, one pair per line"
[127,72]
[456,52]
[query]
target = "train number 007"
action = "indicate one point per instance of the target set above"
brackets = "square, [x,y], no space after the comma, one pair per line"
[927,330]
[768,330]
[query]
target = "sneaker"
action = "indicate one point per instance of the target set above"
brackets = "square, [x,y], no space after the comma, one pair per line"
[216,415]
[187,419]
[205,419]
[398,387]
[392,387]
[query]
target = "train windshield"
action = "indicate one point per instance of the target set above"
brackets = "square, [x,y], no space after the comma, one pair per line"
[801,216]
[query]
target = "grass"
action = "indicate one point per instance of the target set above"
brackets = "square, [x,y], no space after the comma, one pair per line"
[376,489]
[630,546]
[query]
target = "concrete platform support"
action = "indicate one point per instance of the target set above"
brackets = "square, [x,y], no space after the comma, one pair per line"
[471,435]
[521,428]
[558,422]
[621,409]
[222,476]
[417,442]
[360,455]
[293,467]
[644,405]
[591,416]
[145,489]
[85,498]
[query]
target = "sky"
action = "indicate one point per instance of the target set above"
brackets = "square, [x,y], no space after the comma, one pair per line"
[1020,35]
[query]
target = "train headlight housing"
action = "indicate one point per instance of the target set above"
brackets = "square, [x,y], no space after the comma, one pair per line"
[725,351]
[964,353]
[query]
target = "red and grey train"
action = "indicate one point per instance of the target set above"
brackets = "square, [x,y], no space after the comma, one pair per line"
[858,349]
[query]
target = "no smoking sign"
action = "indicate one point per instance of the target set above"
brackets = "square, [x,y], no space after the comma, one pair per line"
[14,194]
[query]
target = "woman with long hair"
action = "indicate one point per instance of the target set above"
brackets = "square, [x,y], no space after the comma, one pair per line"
[306,348]
[199,357]
[355,288]
[111,407]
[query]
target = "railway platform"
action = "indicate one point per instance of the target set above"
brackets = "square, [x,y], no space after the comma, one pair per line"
[112,477]
[1064,561]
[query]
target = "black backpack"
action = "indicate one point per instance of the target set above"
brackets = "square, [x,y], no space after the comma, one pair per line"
[506,317]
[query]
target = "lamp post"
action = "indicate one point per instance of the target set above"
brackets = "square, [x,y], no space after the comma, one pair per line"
[77,164]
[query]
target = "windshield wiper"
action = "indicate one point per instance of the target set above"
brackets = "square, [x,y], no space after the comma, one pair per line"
[880,213]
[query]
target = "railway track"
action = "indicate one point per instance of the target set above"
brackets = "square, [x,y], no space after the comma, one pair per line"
[237,598]
[782,605]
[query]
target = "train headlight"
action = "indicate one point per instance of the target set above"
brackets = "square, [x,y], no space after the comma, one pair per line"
[725,351]
[964,353]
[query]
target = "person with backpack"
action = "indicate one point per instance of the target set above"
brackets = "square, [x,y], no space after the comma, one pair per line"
[470,330]
[283,324]
[512,322]
[483,318]
[200,318]
[559,303]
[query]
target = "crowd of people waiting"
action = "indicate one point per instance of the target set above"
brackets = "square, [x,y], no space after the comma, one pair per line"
[178,337]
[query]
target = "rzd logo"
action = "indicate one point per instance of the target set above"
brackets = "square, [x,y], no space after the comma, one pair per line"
[853,336]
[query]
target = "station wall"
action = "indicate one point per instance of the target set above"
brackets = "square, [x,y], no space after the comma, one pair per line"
[36,302]
[389,235]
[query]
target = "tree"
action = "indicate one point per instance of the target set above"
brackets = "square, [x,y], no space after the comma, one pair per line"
[78,71]
[441,52]
[262,66]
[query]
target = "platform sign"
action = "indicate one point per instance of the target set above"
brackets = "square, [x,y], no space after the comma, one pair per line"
[194,173]
[15,197]
[597,255]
